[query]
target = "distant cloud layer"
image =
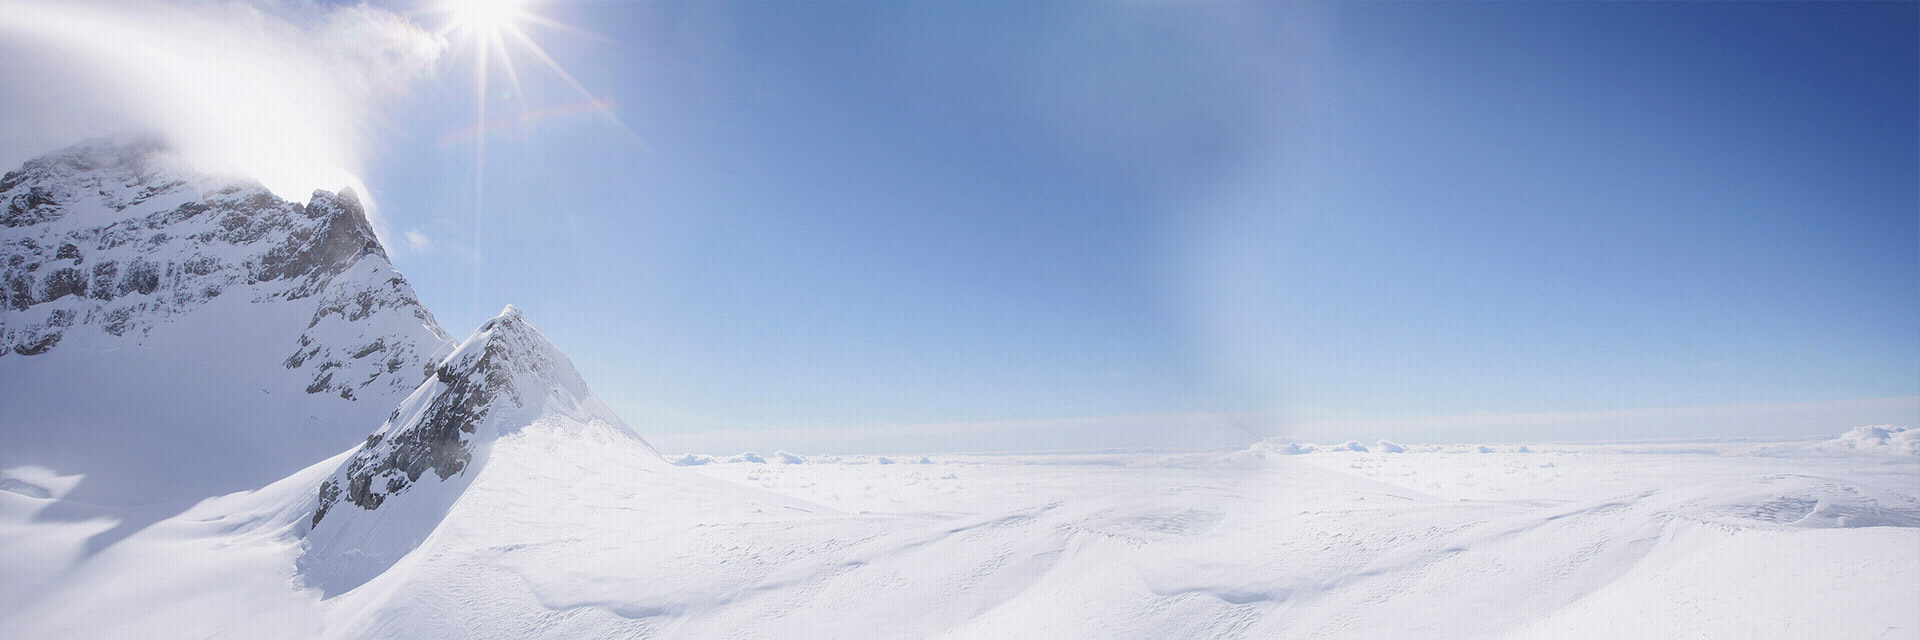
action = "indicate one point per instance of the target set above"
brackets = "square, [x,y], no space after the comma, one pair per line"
[286,92]
[1203,430]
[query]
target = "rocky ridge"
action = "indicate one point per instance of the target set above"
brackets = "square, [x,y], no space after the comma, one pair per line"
[114,237]
[504,378]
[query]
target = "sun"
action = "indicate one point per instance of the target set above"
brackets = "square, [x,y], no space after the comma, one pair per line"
[484,17]
[489,28]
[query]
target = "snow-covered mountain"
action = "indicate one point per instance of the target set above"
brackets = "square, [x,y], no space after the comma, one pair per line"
[393,491]
[172,335]
[162,322]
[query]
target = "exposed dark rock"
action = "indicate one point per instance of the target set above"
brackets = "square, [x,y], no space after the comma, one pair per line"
[377,345]
[471,385]
[104,274]
[142,277]
[313,254]
[12,179]
[62,282]
[300,358]
[117,320]
[320,383]
[39,346]
[19,290]
[36,205]
[329,494]
[200,265]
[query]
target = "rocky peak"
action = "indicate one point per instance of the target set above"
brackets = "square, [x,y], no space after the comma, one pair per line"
[512,359]
[503,377]
[340,236]
[108,238]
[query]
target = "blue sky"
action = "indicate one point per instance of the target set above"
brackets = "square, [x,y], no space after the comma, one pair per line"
[848,213]
[1036,224]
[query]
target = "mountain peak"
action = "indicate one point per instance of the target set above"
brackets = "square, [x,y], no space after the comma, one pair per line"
[503,378]
[510,315]
[508,358]
[111,232]
[115,252]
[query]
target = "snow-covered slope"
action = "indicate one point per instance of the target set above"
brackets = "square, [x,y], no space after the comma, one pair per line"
[392,492]
[567,532]
[163,323]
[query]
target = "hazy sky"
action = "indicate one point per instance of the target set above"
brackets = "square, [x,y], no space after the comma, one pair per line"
[843,214]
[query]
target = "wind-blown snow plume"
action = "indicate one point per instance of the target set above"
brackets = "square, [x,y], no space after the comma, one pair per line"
[287,93]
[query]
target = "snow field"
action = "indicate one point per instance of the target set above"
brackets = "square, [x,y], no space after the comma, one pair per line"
[570,532]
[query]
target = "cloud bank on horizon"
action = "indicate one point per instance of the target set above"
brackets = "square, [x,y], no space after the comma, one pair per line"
[1231,429]
[288,93]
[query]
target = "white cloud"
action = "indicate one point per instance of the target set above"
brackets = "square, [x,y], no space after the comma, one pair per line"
[288,93]
[418,241]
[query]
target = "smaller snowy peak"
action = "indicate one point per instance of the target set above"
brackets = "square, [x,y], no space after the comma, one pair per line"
[505,378]
[508,366]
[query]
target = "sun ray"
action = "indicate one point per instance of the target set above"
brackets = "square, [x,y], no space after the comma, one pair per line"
[485,25]
[490,21]
[506,63]
[555,66]
[479,173]
[562,26]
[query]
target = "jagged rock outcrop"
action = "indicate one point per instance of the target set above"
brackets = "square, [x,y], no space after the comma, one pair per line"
[503,378]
